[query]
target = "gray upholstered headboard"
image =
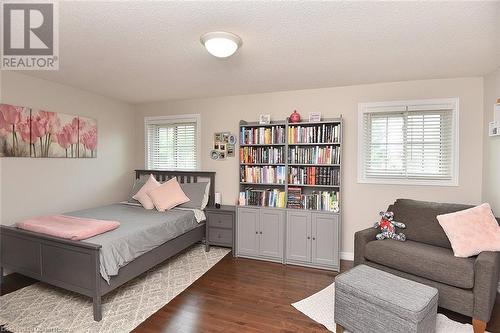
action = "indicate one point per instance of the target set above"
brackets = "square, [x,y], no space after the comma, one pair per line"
[183,177]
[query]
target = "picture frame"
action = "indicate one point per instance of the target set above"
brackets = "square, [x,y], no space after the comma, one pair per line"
[314,117]
[230,150]
[264,119]
[223,146]
[214,154]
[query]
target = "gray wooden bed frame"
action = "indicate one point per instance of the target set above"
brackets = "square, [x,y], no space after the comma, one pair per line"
[75,266]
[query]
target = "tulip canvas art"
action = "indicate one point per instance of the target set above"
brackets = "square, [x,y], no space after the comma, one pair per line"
[14,131]
[39,133]
[87,142]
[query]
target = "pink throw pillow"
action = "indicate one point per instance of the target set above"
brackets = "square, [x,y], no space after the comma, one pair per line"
[471,231]
[168,195]
[142,195]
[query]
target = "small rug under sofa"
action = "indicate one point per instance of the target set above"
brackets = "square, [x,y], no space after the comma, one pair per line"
[320,308]
[43,308]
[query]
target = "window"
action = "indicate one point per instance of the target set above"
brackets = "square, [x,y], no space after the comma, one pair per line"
[413,142]
[172,142]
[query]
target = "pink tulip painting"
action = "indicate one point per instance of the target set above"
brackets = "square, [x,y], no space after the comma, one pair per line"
[53,134]
[87,147]
[14,131]
[26,132]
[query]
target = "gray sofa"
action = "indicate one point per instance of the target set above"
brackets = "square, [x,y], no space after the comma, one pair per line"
[466,285]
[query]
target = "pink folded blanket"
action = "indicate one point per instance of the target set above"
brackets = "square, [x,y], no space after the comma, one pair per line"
[69,227]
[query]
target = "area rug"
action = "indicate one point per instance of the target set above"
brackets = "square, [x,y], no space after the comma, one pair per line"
[319,307]
[42,308]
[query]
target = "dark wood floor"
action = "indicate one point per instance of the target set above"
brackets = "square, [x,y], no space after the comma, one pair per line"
[241,295]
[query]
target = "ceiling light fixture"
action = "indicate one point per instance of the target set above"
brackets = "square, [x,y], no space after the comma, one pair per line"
[221,44]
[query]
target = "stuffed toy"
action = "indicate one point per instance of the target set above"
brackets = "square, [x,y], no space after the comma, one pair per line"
[388,227]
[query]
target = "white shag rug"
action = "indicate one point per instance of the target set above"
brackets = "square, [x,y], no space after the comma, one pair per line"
[319,307]
[42,308]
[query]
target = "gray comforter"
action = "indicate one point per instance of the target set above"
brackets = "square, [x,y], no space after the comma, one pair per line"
[140,231]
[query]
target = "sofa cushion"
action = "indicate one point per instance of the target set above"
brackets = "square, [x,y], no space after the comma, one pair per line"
[431,262]
[421,222]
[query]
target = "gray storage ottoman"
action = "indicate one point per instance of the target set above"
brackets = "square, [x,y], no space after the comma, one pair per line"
[369,300]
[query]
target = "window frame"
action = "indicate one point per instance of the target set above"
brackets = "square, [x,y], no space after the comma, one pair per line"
[416,105]
[173,119]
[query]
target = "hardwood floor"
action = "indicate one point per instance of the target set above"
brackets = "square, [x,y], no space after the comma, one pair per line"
[242,295]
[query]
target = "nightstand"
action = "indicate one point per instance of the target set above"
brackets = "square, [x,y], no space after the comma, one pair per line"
[220,226]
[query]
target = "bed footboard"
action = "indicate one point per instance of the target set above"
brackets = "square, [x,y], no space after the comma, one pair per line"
[71,265]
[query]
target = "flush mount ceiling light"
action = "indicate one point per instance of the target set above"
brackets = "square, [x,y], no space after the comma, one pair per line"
[221,44]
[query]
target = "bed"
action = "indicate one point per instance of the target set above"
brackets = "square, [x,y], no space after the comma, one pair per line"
[78,265]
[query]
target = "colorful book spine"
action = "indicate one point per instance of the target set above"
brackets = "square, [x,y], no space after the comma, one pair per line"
[264,155]
[265,198]
[262,135]
[323,133]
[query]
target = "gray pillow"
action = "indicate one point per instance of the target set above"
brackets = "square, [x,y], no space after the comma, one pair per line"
[138,184]
[196,192]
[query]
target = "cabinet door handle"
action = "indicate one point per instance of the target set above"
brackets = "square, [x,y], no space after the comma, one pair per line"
[308,237]
[261,232]
[314,238]
[256,232]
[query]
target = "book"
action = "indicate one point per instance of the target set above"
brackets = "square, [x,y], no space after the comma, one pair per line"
[262,135]
[322,133]
[264,198]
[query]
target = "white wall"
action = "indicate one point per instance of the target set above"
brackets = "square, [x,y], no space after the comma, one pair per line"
[35,186]
[361,202]
[491,167]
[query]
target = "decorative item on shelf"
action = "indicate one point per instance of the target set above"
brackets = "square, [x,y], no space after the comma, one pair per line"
[26,132]
[264,119]
[294,117]
[218,199]
[314,117]
[494,126]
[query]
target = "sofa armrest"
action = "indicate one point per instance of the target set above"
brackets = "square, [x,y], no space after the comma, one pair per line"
[361,238]
[486,274]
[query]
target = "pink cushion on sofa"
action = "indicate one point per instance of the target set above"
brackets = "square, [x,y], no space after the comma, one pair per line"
[471,231]
[142,195]
[168,195]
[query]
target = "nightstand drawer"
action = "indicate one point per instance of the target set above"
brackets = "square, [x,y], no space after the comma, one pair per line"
[220,236]
[220,220]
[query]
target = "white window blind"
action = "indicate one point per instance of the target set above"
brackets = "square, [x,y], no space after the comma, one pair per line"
[411,143]
[171,143]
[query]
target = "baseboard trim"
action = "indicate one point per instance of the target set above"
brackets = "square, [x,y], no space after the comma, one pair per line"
[347,256]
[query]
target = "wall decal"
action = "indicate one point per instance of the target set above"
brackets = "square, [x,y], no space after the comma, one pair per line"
[28,132]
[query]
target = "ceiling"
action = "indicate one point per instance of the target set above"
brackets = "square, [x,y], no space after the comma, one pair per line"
[147,51]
